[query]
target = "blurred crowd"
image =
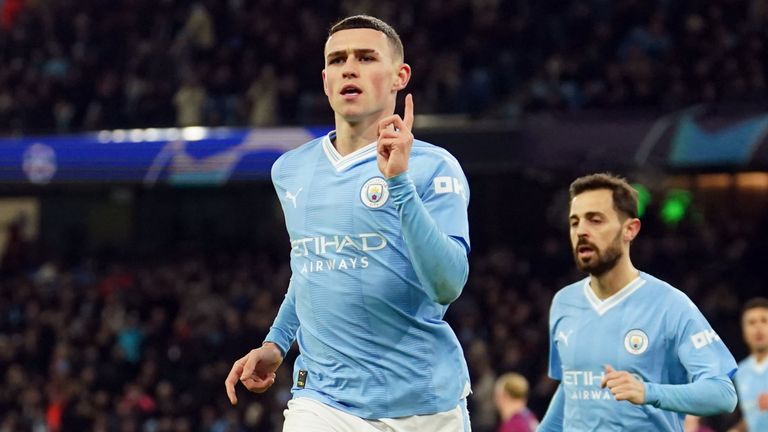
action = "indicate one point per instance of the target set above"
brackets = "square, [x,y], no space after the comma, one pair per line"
[89,65]
[145,344]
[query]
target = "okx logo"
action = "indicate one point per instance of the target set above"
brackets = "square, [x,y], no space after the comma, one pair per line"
[704,338]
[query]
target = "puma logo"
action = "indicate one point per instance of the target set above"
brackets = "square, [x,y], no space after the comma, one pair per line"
[293,197]
[561,336]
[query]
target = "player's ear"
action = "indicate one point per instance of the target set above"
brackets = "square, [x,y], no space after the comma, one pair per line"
[403,76]
[631,229]
[325,84]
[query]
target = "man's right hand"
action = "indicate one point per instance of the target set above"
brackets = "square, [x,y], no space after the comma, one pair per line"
[256,370]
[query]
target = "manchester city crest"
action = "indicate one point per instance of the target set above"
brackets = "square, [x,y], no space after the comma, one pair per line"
[636,342]
[374,192]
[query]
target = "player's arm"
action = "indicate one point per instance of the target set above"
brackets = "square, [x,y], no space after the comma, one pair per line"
[706,360]
[257,369]
[440,260]
[703,397]
[553,419]
[286,323]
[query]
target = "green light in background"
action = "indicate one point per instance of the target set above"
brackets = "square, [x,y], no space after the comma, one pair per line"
[675,206]
[643,198]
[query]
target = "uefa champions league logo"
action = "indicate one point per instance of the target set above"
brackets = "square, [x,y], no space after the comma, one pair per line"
[39,163]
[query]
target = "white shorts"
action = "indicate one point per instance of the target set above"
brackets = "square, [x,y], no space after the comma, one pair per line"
[308,415]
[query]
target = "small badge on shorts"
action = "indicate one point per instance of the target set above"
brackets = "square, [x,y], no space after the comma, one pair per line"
[302,381]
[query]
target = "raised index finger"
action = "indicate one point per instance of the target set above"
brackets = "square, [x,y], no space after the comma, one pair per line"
[408,116]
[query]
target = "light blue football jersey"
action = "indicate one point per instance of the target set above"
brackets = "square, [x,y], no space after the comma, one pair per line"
[648,328]
[751,381]
[372,341]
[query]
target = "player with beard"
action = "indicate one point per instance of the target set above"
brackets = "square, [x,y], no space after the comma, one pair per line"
[752,376]
[631,352]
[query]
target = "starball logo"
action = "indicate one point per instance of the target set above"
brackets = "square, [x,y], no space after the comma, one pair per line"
[322,252]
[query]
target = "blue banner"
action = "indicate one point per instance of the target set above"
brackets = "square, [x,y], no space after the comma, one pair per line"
[193,155]
[733,145]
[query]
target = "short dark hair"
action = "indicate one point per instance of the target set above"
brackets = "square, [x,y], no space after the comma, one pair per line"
[755,303]
[369,22]
[624,195]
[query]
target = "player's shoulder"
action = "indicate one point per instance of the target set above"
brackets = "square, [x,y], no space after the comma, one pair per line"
[309,147]
[296,156]
[570,294]
[428,154]
[745,369]
[663,292]
[745,364]
[427,149]
[667,300]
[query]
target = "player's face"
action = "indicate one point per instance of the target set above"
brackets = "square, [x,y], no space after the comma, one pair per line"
[596,232]
[362,74]
[755,327]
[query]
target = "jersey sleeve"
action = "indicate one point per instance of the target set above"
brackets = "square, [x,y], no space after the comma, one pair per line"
[286,323]
[439,260]
[702,397]
[555,366]
[445,194]
[553,419]
[700,350]
[275,174]
[432,208]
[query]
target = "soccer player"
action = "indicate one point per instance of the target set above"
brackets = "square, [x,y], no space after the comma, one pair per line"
[511,399]
[379,241]
[631,352]
[752,376]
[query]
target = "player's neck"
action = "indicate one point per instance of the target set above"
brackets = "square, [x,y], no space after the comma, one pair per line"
[760,356]
[354,136]
[612,281]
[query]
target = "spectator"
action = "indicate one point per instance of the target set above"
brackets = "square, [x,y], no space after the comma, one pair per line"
[189,101]
[511,399]
[118,67]
[263,95]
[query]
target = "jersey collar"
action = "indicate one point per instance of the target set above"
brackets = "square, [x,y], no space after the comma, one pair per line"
[758,367]
[341,163]
[603,306]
